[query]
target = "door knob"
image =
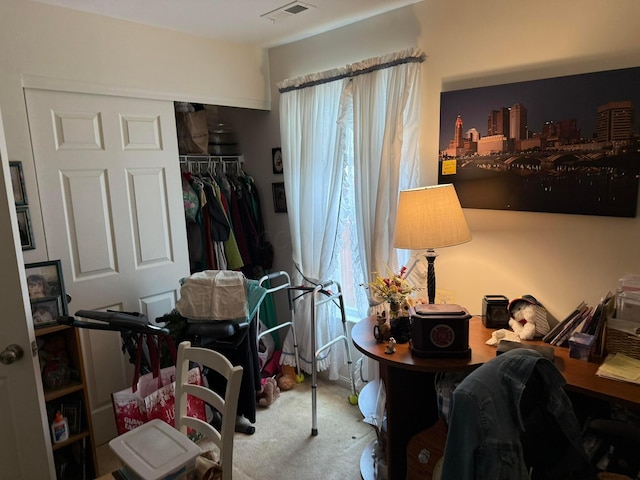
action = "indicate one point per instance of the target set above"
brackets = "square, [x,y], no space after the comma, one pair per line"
[12,353]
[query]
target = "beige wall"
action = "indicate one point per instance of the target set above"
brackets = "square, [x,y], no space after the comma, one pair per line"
[560,259]
[85,51]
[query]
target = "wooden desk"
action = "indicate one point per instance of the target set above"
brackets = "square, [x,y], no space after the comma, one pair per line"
[409,384]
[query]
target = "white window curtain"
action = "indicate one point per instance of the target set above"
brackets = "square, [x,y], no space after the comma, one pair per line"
[349,144]
[386,119]
[313,171]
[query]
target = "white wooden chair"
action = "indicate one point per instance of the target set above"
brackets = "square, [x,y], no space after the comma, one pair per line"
[221,435]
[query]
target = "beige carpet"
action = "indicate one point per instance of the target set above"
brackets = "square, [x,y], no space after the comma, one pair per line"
[282,446]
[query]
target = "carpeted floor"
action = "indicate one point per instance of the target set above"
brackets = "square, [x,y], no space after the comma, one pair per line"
[282,446]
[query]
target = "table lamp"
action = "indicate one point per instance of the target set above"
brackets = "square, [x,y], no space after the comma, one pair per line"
[430,218]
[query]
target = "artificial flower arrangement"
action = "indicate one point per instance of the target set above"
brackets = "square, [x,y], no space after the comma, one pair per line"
[395,288]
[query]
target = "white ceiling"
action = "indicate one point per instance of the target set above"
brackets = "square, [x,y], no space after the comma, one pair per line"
[238,21]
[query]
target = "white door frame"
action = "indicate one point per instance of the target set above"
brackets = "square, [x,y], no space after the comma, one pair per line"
[25,445]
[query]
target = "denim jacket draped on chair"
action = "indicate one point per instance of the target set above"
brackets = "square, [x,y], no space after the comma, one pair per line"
[487,421]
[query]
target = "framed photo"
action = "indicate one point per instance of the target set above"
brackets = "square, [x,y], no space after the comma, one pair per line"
[72,410]
[279,198]
[566,145]
[17,181]
[276,157]
[24,225]
[45,311]
[46,291]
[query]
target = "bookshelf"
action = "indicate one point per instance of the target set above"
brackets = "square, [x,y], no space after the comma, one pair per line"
[65,389]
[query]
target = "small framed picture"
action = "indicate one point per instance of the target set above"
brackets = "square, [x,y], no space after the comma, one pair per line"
[45,311]
[276,157]
[24,225]
[46,291]
[72,410]
[17,182]
[279,197]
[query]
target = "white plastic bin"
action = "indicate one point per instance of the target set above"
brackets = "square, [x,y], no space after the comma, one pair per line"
[156,451]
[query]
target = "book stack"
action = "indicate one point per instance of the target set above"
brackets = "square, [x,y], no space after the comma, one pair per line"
[584,320]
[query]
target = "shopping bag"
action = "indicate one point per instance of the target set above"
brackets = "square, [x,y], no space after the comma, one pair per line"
[161,402]
[193,133]
[153,395]
[154,398]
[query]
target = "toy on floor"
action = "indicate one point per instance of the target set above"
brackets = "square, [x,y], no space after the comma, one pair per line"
[270,392]
[287,378]
[528,317]
[285,375]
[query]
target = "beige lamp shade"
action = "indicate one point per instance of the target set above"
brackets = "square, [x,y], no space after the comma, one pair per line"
[429,218]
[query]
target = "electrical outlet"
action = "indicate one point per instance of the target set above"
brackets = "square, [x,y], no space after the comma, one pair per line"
[445,296]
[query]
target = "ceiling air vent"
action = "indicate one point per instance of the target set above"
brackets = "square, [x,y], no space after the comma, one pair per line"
[286,11]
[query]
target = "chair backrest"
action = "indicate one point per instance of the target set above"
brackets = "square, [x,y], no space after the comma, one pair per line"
[221,434]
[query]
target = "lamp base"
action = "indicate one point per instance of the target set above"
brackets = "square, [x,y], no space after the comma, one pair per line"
[430,255]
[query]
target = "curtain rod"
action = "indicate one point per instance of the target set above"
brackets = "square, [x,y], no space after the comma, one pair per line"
[350,71]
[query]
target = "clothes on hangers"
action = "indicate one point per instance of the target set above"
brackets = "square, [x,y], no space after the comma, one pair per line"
[225,230]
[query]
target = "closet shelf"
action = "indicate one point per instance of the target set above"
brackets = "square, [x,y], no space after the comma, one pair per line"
[209,158]
[195,163]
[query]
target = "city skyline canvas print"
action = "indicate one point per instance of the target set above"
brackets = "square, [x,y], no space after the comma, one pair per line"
[559,145]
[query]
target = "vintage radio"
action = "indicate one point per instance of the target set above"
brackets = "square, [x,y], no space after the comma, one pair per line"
[440,331]
[494,311]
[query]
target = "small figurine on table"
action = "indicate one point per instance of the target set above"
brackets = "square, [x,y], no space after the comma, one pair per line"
[391,346]
[382,331]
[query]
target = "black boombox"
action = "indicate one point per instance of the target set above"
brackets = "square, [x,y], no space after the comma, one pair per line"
[440,331]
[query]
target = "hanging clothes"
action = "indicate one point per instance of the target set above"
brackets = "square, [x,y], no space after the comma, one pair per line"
[193,218]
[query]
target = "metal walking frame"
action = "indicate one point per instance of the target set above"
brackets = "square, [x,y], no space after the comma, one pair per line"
[320,295]
[283,282]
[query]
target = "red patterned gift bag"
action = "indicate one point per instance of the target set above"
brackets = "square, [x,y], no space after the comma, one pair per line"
[153,395]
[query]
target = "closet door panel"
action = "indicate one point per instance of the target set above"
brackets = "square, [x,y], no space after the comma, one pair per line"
[77,130]
[111,193]
[141,133]
[88,221]
[148,204]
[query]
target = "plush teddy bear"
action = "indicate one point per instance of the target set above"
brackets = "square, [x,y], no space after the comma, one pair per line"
[528,318]
[270,392]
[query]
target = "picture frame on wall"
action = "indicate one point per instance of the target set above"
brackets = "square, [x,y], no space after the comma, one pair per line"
[568,145]
[24,226]
[46,292]
[276,158]
[279,197]
[17,182]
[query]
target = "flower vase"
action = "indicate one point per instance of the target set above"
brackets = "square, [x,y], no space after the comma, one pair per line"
[394,310]
[399,322]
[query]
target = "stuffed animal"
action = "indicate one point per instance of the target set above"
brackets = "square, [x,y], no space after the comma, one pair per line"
[269,393]
[528,318]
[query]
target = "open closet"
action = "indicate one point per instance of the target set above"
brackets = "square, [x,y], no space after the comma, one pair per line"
[223,212]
